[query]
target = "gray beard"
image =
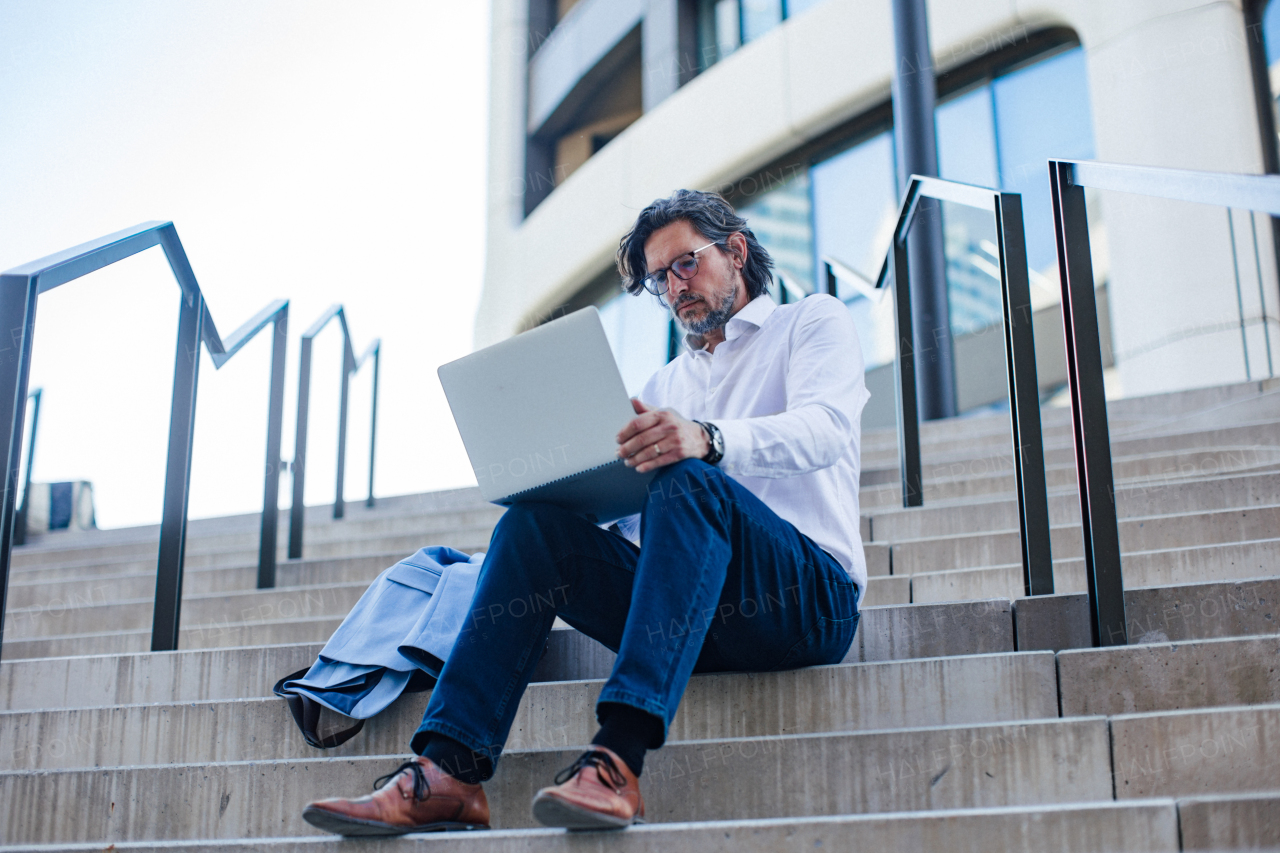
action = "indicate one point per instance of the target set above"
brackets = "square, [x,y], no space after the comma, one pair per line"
[714,319]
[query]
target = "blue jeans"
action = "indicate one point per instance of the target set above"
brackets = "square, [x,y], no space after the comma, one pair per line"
[721,583]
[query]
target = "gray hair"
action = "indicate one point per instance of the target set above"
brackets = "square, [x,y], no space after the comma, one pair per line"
[712,217]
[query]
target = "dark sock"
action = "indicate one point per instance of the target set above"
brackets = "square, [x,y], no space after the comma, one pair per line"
[458,760]
[629,732]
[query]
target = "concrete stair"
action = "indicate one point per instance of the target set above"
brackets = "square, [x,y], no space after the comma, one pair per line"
[964,717]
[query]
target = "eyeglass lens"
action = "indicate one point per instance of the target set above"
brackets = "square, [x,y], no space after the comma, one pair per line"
[684,268]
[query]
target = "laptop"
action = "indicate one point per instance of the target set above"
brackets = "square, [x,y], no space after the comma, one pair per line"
[539,415]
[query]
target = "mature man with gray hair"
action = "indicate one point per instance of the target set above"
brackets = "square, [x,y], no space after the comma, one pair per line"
[749,556]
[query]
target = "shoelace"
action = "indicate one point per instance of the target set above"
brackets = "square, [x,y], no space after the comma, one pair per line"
[421,787]
[601,762]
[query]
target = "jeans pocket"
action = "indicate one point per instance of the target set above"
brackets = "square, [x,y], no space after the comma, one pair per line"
[826,643]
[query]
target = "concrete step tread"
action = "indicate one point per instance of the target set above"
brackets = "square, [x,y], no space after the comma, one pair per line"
[557,714]
[282,566]
[209,636]
[1000,511]
[1186,713]
[881,487]
[1194,752]
[921,630]
[845,698]
[210,596]
[1170,533]
[1026,763]
[1219,517]
[892,632]
[310,649]
[27,561]
[720,778]
[1262,544]
[217,577]
[1249,562]
[319,519]
[1170,677]
[769,744]
[1269,509]
[90,542]
[1136,552]
[1044,723]
[1142,826]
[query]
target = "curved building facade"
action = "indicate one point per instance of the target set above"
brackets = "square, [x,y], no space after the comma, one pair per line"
[600,106]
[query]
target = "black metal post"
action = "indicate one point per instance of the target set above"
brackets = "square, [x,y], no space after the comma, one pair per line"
[1024,397]
[373,422]
[271,478]
[339,504]
[905,373]
[349,365]
[24,512]
[167,614]
[1088,410]
[914,98]
[298,510]
[18,314]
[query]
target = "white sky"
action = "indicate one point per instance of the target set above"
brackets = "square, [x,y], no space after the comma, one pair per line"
[315,150]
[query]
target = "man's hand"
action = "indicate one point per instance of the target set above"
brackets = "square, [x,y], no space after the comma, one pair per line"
[660,437]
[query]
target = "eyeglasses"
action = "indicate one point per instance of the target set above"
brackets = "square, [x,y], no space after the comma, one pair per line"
[684,268]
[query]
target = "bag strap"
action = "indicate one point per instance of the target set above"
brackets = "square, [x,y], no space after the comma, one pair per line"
[306,713]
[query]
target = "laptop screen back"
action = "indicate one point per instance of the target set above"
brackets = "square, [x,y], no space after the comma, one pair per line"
[540,406]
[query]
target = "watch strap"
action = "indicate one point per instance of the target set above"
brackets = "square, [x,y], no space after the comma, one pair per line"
[716,439]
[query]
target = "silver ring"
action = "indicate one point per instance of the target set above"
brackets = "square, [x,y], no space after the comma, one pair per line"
[657,451]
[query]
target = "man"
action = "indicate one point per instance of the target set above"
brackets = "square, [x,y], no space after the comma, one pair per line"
[749,557]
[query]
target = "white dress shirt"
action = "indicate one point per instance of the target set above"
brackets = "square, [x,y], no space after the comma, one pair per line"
[786,388]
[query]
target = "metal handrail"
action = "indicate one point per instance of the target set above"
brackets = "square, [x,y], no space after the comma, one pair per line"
[836,270]
[24,512]
[1092,438]
[350,364]
[19,290]
[1020,360]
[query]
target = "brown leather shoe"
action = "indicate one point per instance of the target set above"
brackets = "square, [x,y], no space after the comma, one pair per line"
[598,791]
[417,797]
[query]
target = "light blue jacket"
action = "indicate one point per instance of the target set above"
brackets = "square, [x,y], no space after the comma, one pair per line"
[406,621]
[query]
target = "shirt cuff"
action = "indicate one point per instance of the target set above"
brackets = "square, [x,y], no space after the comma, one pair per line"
[737,445]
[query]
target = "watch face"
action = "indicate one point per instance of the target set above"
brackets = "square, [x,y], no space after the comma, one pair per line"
[716,453]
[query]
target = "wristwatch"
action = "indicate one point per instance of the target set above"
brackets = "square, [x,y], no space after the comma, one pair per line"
[716,439]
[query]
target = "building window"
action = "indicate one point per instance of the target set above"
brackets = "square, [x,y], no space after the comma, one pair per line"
[609,98]
[1000,133]
[758,17]
[617,104]
[726,25]
[781,218]
[855,208]
[795,7]
[719,30]
[967,153]
[1269,23]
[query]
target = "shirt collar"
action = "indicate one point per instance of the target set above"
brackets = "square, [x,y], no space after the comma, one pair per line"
[754,313]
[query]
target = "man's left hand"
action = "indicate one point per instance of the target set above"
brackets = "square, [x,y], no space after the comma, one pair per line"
[660,437]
